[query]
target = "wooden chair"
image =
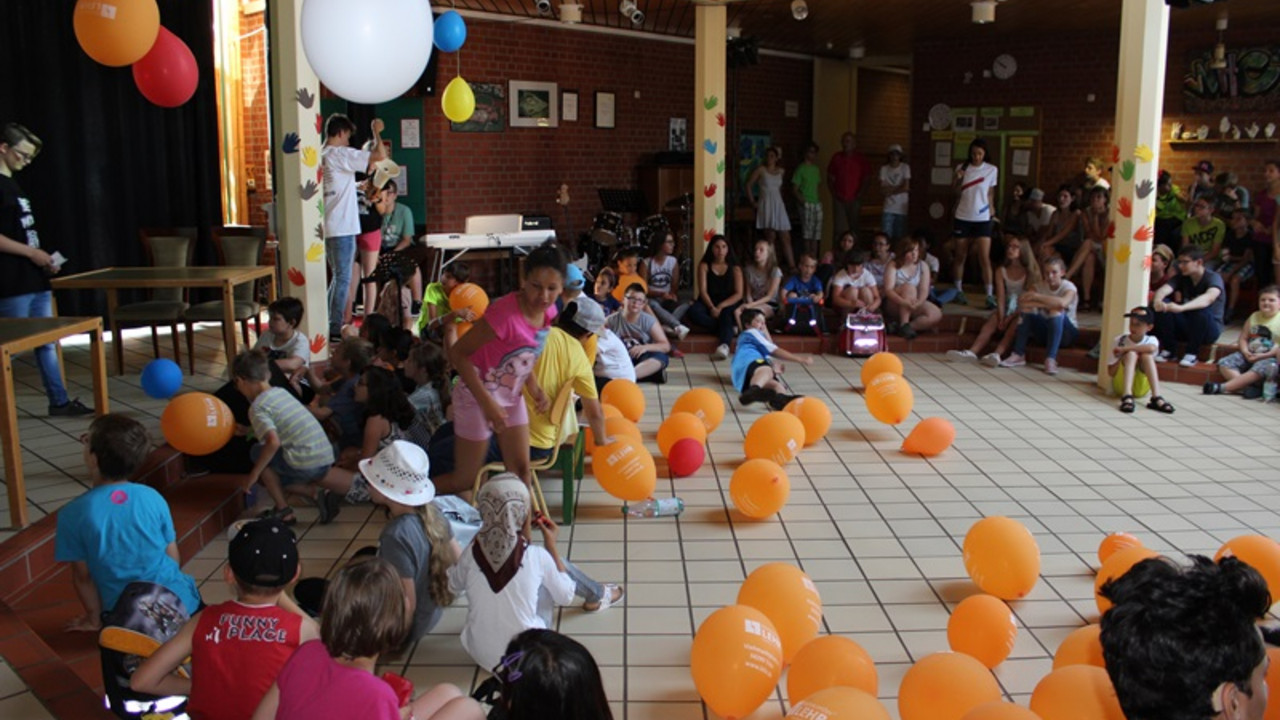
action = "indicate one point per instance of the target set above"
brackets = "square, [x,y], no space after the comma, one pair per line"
[161,247]
[566,456]
[233,246]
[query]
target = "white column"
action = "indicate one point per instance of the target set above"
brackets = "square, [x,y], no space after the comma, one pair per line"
[1144,46]
[711,205]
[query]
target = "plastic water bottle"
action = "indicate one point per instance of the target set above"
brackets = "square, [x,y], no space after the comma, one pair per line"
[1269,391]
[654,508]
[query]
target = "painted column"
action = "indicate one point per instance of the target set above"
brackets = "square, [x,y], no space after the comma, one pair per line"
[710,149]
[1144,46]
[297,132]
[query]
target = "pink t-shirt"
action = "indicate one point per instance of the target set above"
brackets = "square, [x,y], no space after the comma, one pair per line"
[313,686]
[505,363]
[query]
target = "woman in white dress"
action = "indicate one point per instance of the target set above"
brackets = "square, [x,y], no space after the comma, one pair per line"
[765,191]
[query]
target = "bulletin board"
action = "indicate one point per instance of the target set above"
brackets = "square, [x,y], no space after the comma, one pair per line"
[1013,140]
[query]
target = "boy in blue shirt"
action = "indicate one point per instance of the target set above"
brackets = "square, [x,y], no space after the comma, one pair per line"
[804,289]
[754,373]
[118,532]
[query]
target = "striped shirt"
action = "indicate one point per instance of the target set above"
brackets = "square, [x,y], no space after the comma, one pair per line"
[302,440]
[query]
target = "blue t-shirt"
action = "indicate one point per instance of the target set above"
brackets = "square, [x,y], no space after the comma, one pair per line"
[348,414]
[121,531]
[802,289]
[752,346]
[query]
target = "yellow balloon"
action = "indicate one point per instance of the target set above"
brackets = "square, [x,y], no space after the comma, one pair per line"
[458,101]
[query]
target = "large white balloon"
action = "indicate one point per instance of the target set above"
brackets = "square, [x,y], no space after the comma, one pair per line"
[369,51]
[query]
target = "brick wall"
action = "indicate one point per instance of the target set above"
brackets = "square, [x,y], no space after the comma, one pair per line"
[884,114]
[255,99]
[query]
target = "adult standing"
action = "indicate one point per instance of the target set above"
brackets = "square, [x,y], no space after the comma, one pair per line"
[1264,255]
[975,183]
[895,184]
[765,191]
[846,176]
[24,267]
[341,162]
[804,184]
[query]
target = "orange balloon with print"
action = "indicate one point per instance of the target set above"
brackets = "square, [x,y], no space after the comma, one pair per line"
[735,661]
[889,398]
[627,281]
[1116,541]
[1260,553]
[945,686]
[197,423]
[1074,692]
[117,33]
[1082,647]
[839,703]
[881,362]
[616,427]
[468,296]
[982,627]
[625,469]
[1002,557]
[777,436]
[786,595]
[814,415]
[677,427]
[1000,711]
[625,395]
[704,403]
[759,488]
[1115,566]
[931,436]
[830,661]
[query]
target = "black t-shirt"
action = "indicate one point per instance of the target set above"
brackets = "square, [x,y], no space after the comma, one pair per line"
[1190,290]
[18,276]
[1238,245]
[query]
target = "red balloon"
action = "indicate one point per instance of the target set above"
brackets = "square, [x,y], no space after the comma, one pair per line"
[167,75]
[686,456]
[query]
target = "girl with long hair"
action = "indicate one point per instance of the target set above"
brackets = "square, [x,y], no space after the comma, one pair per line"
[1020,272]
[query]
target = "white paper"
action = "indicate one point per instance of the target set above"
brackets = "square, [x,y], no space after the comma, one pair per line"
[942,154]
[791,108]
[569,113]
[402,182]
[942,176]
[1022,162]
[410,133]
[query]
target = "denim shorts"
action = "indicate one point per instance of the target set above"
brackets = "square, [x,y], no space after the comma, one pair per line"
[1235,361]
[288,474]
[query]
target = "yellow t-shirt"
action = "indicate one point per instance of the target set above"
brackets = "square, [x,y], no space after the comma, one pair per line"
[562,360]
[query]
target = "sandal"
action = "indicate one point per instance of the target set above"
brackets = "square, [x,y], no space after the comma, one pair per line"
[608,600]
[1126,404]
[1159,403]
[284,515]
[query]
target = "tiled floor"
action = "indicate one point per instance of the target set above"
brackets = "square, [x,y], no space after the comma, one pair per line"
[878,532]
[17,702]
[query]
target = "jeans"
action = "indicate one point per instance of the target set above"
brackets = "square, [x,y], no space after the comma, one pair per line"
[722,326]
[1053,331]
[668,318]
[586,588]
[37,305]
[1195,328]
[893,225]
[340,253]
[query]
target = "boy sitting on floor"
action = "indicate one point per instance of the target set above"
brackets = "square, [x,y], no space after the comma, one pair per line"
[1255,361]
[754,374]
[1137,349]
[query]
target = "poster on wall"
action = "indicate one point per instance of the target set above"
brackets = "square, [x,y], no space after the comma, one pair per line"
[752,145]
[1250,80]
[534,104]
[491,109]
[678,135]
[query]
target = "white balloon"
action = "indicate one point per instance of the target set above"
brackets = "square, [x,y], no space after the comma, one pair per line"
[369,51]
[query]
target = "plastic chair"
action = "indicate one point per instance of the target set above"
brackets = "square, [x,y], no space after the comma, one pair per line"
[234,246]
[161,247]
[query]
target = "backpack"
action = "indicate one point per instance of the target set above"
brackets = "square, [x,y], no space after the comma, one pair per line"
[145,616]
[863,335]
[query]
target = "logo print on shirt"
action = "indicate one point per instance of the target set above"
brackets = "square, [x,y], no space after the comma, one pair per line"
[119,497]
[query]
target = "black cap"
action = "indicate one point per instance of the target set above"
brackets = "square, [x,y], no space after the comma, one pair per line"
[1145,314]
[264,553]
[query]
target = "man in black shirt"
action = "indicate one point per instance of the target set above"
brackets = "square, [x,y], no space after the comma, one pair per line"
[24,267]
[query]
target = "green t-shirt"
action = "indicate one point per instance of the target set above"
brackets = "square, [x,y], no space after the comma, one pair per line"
[805,179]
[1204,236]
[1170,205]
[433,294]
[395,225]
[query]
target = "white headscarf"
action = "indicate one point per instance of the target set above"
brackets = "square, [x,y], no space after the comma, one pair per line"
[499,546]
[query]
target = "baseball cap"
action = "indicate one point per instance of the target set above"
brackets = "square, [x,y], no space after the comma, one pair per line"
[573,278]
[1203,166]
[1165,252]
[264,553]
[401,473]
[896,148]
[1035,194]
[1145,314]
[588,315]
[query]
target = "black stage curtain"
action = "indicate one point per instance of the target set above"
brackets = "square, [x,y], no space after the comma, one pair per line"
[112,162]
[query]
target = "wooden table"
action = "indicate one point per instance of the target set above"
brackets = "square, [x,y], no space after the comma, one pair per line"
[113,279]
[22,334]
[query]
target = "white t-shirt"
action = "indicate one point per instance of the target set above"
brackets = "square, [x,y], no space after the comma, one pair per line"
[493,619]
[1063,289]
[296,346]
[974,204]
[341,213]
[1125,341]
[1037,219]
[843,280]
[612,359]
[895,204]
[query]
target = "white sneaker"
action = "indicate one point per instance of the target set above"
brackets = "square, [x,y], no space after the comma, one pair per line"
[681,331]
[991,360]
[1164,356]
[1188,361]
[1051,366]
[1014,360]
[721,353]
[961,356]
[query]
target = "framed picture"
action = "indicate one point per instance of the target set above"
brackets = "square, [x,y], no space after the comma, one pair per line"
[965,122]
[678,135]
[605,110]
[490,115]
[569,106]
[534,104]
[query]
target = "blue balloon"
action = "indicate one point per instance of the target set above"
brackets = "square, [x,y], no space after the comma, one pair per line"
[450,32]
[161,378]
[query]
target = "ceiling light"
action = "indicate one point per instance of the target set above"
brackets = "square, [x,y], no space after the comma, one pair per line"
[984,11]
[570,13]
[799,9]
[544,7]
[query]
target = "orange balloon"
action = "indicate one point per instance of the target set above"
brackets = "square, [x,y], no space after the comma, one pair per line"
[471,297]
[197,423]
[945,686]
[1000,711]
[118,33]
[610,411]
[616,427]
[1273,685]
[839,703]
[736,661]
[1082,647]
[703,402]
[786,595]
[830,661]
[881,362]
[814,415]
[930,436]
[1075,692]
[1115,566]
[1002,557]
[982,626]
[625,469]
[889,398]
[626,396]
[1116,541]
[678,426]
[625,282]
[759,488]
[1260,553]
[777,436]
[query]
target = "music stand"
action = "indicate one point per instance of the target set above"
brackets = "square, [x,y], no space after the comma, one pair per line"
[623,201]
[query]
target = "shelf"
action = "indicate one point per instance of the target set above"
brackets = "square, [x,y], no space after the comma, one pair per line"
[1226,141]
